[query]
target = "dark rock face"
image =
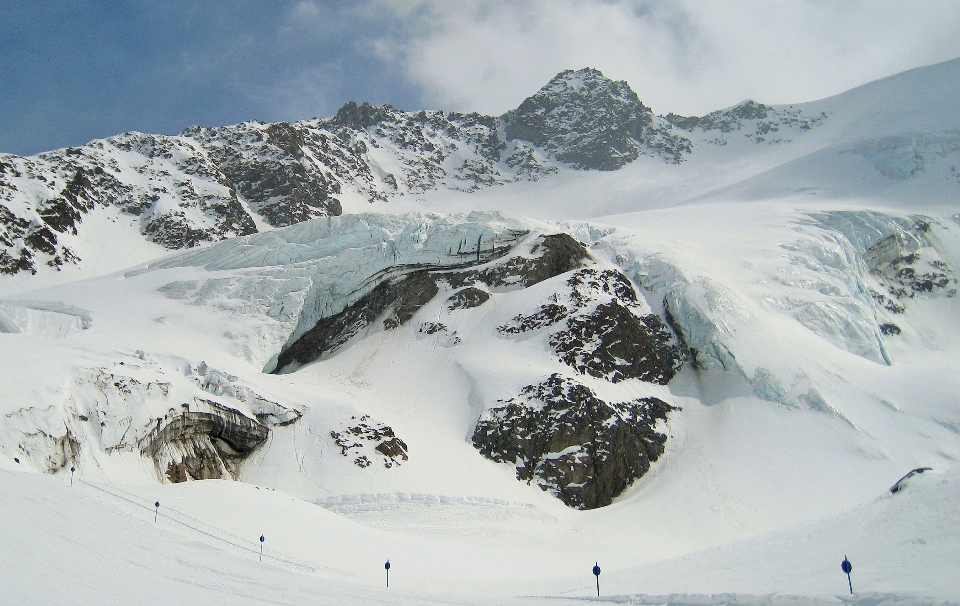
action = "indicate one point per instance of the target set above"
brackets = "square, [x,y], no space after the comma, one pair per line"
[553,255]
[360,117]
[590,122]
[174,231]
[363,432]
[547,315]
[16,230]
[560,435]
[889,329]
[203,445]
[269,170]
[606,334]
[558,432]
[441,334]
[63,212]
[906,270]
[526,161]
[613,343]
[175,168]
[468,297]
[59,214]
[432,328]
[179,194]
[397,299]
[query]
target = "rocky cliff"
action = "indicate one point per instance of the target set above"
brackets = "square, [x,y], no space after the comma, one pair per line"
[564,438]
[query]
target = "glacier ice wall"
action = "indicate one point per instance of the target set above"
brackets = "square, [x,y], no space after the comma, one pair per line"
[905,156]
[846,276]
[317,268]
[43,318]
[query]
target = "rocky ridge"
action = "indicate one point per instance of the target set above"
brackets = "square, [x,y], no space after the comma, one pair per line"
[756,122]
[359,432]
[208,184]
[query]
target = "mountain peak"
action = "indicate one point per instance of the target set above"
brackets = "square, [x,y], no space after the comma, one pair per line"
[578,78]
[590,82]
[591,122]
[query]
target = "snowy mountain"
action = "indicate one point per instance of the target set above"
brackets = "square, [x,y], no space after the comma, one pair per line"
[699,350]
[207,184]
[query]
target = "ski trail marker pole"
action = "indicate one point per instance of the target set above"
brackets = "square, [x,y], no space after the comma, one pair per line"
[156,512]
[846,566]
[262,539]
[387,568]
[72,469]
[596,573]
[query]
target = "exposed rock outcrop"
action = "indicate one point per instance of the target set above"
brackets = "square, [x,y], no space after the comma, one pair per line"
[605,333]
[441,334]
[205,444]
[590,122]
[560,435]
[397,299]
[552,255]
[360,435]
[614,343]
[908,266]
[468,297]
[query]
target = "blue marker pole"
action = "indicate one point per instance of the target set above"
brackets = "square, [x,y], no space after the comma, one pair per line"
[72,469]
[387,568]
[596,573]
[262,539]
[846,566]
[156,513]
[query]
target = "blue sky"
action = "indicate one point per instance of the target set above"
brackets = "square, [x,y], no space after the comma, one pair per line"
[74,70]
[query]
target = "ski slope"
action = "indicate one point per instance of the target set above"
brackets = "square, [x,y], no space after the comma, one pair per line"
[90,545]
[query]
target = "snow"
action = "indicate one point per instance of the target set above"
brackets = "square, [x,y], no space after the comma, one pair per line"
[778,464]
[42,319]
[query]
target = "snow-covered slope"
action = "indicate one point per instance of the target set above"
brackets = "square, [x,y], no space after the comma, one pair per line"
[892,141]
[710,391]
[442,552]
[783,416]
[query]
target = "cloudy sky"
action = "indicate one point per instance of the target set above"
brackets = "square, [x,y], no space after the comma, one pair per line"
[74,70]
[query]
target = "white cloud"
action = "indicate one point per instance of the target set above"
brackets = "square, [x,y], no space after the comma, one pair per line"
[686,56]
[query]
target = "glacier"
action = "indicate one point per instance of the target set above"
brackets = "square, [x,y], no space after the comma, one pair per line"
[799,260]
